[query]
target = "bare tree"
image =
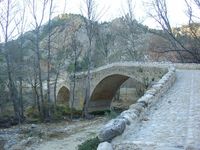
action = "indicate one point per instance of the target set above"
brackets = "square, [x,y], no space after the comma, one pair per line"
[7,14]
[161,17]
[49,55]
[60,44]
[194,26]
[178,42]
[133,31]
[21,26]
[37,23]
[76,48]
[59,59]
[89,19]
[104,38]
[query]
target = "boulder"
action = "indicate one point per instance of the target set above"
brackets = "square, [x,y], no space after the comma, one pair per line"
[129,116]
[151,91]
[139,107]
[104,146]
[33,126]
[114,128]
[144,100]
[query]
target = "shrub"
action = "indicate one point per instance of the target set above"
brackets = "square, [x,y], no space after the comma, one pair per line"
[62,111]
[111,114]
[90,144]
[59,111]
[32,112]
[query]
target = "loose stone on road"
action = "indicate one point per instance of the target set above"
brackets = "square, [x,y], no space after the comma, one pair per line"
[173,123]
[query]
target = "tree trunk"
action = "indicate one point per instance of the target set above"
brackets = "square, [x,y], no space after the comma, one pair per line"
[74,84]
[49,59]
[12,89]
[55,86]
[87,92]
[21,103]
[5,25]
[40,75]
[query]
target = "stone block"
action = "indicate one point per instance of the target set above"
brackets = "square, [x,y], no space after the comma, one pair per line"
[137,108]
[151,91]
[114,128]
[129,116]
[148,98]
[144,101]
[104,146]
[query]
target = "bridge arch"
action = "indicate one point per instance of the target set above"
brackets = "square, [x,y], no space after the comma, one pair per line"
[103,77]
[103,91]
[63,95]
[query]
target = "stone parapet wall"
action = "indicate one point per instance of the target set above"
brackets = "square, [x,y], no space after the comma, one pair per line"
[117,126]
[192,66]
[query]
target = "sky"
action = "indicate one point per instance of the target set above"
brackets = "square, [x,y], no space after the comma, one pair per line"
[109,10]
[116,8]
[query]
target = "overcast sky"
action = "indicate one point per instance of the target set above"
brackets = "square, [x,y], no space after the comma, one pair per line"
[111,9]
[115,8]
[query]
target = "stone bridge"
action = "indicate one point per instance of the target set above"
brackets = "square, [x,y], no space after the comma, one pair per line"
[106,80]
[166,117]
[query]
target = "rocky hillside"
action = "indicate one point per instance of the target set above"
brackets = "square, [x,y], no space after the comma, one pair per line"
[112,41]
[117,40]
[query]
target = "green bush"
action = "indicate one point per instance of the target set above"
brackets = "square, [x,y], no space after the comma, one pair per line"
[60,111]
[63,110]
[111,114]
[90,144]
[57,113]
[32,112]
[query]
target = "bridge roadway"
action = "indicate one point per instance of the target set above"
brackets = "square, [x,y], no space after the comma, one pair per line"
[173,123]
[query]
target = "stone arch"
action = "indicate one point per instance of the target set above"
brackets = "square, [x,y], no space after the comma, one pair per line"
[104,91]
[63,96]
